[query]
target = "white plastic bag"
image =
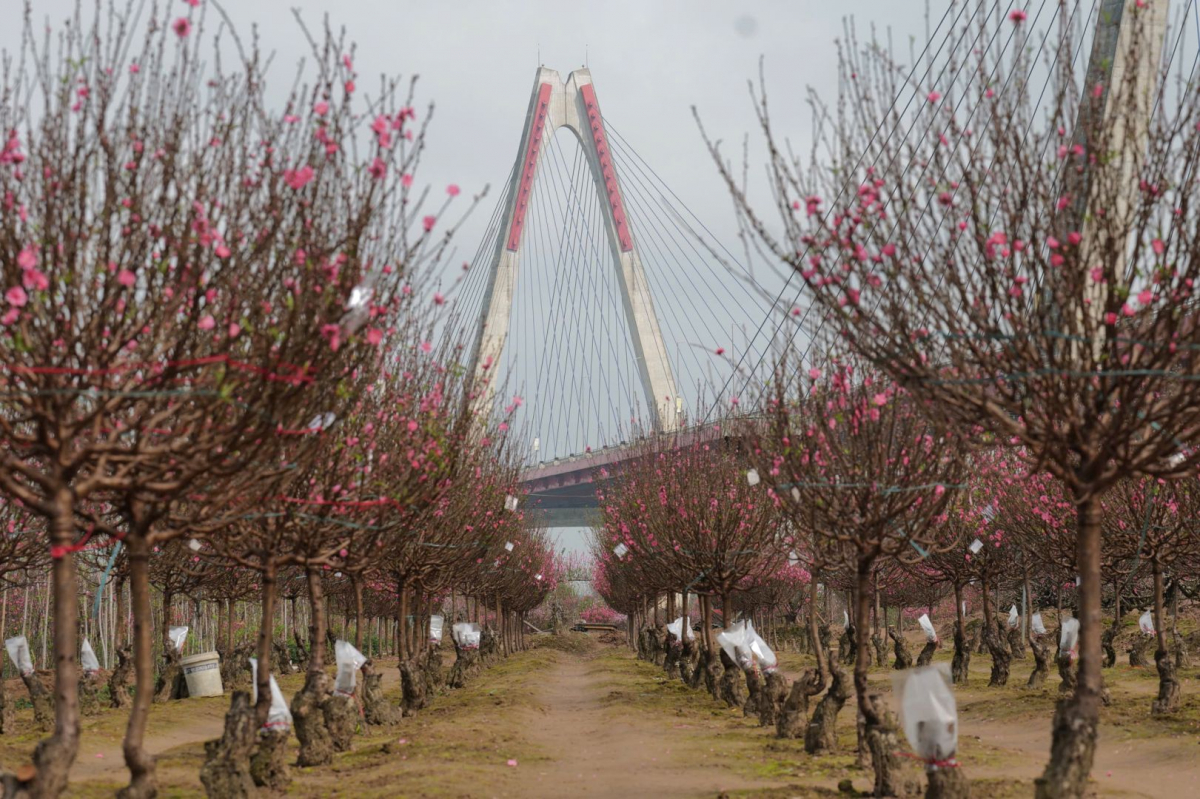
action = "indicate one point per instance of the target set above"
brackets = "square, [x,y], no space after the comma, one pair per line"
[349,661]
[1038,625]
[466,634]
[87,658]
[1013,617]
[752,477]
[764,657]
[928,712]
[976,545]
[436,624]
[1068,640]
[279,717]
[1146,623]
[178,636]
[845,620]
[927,626]
[732,640]
[18,653]
[680,628]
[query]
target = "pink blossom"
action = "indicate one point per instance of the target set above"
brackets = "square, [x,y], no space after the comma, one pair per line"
[406,180]
[1146,297]
[27,258]
[438,299]
[933,97]
[349,87]
[298,178]
[814,373]
[378,169]
[332,334]
[207,322]
[222,251]
[134,69]
[881,399]
[1018,16]
[234,329]
[1159,247]
[452,190]
[374,336]
[720,350]
[10,316]
[193,3]
[16,297]
[182,27]
[426,346]
[428,222]
[35,280]
[126,278]
[512,761]
[321,108]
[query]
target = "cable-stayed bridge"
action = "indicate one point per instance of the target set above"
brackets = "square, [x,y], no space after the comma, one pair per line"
[599,298]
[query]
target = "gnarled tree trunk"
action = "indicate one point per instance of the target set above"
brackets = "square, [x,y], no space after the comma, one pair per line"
[1041,662]
[821,733]
[1167,700]
[903,653]
[226,769]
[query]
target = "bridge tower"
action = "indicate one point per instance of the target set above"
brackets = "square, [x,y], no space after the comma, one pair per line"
[572,104]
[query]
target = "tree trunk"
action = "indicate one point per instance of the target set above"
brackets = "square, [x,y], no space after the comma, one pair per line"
[879,728]
[265,644]
[53,757]
[821,733]
[771,701]
[316,746]
[960,666]
[226,769]
[142,783]
[1041,659]
[1075,719]
[903,653]
[1168,684]
[729,686]
[358,611]
[376,709]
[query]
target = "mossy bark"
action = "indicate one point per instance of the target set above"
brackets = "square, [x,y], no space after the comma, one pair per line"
[947,783]
[316,747]
[754,692]
[712,671]
[1137,651]
[89,693]
[770,702]
[268,765]
[226,769]
[960,665]
[171,683]
[376,709]
[341,719]
[1001,660]
[413,686]
[42,699]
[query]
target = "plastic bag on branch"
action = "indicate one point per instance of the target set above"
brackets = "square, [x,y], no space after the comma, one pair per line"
[1068,640]
[764,657]
[87,658]
[845,620]
[733,640]
[1013,617]
[178,636]
[927,626]
[279,717]
[680,628]
[1038,625]
[349,661]
[928,713]
[1146,623]
[436,623]
[18,653]
[466,634]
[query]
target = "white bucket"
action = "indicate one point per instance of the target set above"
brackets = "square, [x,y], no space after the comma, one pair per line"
[203,674]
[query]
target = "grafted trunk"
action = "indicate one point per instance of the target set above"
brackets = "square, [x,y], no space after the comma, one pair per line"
[673,653]
[1001,660]
[316,746]
[1137,651]
[89,694]
[226,769]
[1167,700]
[903,653]
[925,656]
[847,645]
[1182,659]
[879,726]
[754,691]
[712,672]
[118,681]
[413,686]
[947,782]
[880,644]
[771,701]
[730,683]
[269,766]
[376,709]
[1110,651]
[821,734]
[42,700]
[6,713]
[1041,662]
[341,719]
[1073,747]
[689,664]
[1016,644]
[960,665]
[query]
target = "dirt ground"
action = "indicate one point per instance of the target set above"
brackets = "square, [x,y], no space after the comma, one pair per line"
[575,718]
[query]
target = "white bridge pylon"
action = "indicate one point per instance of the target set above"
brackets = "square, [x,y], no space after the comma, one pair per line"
[572,104]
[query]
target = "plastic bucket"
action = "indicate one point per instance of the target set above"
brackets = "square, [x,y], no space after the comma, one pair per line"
[203,674]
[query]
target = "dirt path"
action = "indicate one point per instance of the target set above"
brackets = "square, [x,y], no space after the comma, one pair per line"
[597,750]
